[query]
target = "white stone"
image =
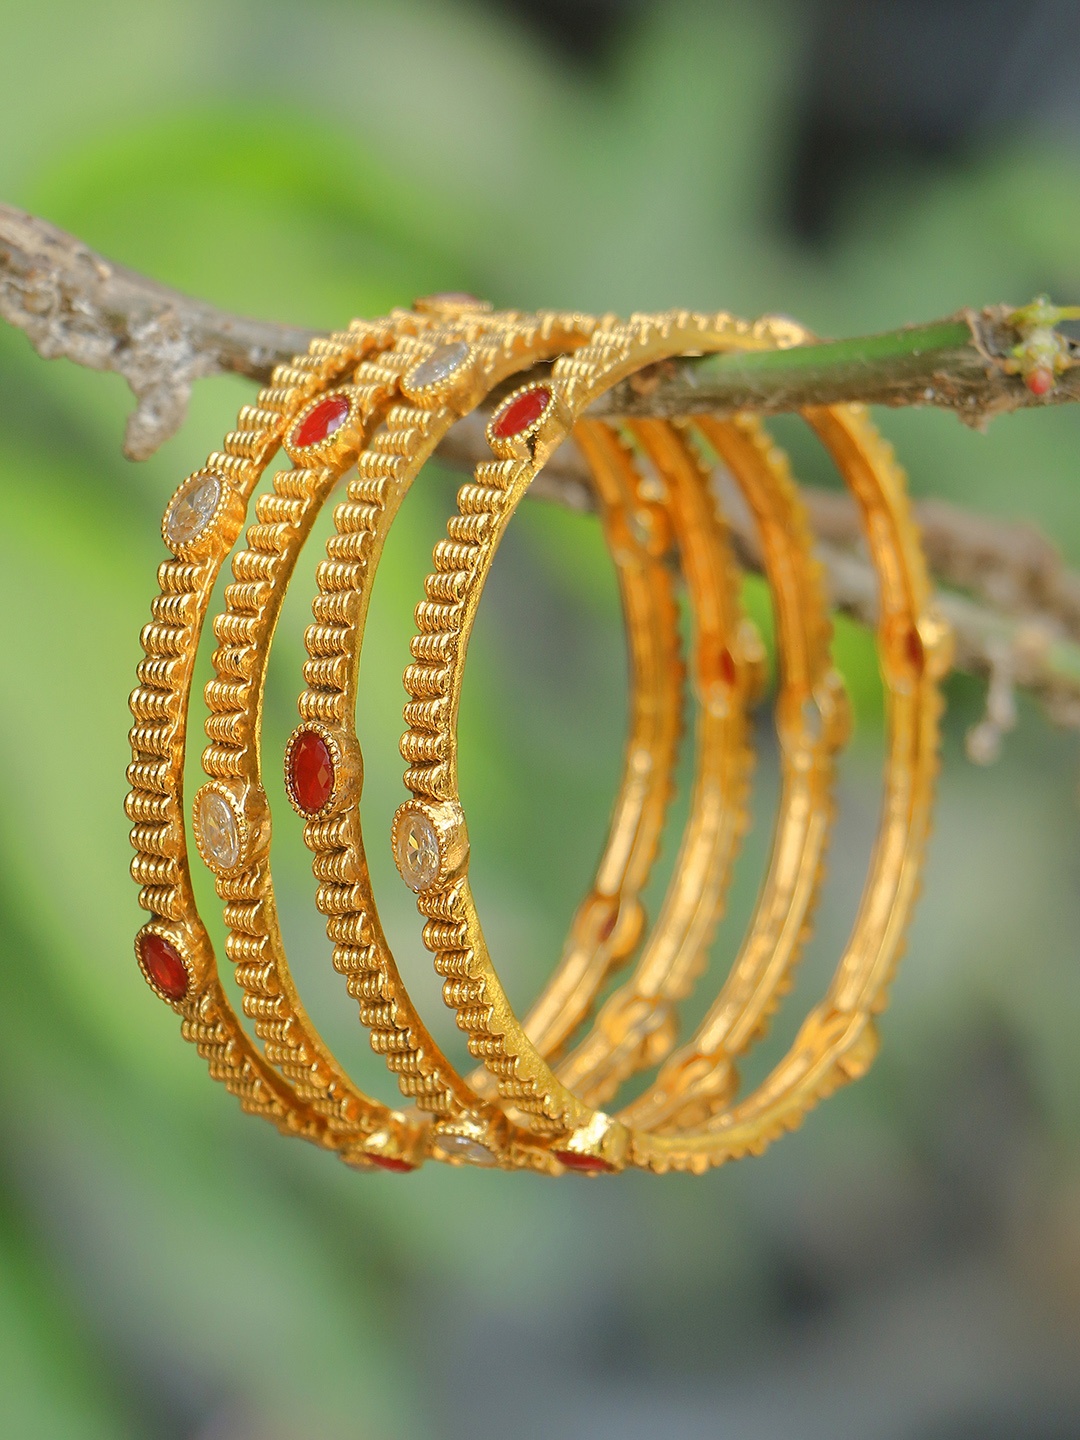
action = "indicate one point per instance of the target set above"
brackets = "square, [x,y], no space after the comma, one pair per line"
[813,721]
[219,830]
[417,856]
[192,510]
[464,1147]
[439,365]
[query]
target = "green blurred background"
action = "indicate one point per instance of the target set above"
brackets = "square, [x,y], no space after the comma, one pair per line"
[906,1267]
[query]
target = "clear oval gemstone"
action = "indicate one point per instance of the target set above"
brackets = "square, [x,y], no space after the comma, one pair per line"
[812,718]
[219,830]
[417,855]
[439,365]
[192,509]
[464,1147]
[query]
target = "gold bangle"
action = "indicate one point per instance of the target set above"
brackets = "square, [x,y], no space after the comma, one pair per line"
[812,715]
[634,1030]
[638,1022]
[174,952]
[609,921]
[596,1140]
[435,361]
[813,722]
[838,1040]
[524,430]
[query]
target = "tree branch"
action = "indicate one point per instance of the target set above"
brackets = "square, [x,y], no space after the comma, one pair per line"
[979,364]
[1019,627]
[74,303]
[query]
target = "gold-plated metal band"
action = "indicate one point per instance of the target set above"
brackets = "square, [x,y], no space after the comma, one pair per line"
[635,1029]
[434,361]
[638,1022]
[201,525]
[808,682]
[838,1040]
[609,922]
[813,722]
[523,432]
[526,1082]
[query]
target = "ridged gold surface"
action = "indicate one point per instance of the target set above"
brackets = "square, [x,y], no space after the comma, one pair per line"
[160,707]
[533,1097]
[837,1039]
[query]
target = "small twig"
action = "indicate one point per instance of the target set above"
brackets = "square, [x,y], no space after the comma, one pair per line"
[983,741]
[1022,629]
[74,303]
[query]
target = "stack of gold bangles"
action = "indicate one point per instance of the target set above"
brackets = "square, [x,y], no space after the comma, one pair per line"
[367,407]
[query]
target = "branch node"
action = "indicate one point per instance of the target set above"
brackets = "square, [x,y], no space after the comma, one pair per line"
[983,741]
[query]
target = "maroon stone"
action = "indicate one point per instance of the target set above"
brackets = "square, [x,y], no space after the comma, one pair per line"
[164,965]
[915,653]
[591,1164]
[607,925]
[521,412]
[321,421]
[391,1162]
[311,771]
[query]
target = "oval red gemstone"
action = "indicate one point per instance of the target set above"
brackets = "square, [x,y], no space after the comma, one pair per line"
[311,771]
[915,653]
[164,965]
[574,1160]
[521,412]
[391,1162]
[607,925]
[321,421]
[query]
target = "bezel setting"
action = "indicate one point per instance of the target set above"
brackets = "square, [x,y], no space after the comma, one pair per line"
[333,745]
[916,649]
[520,442]
[464,1142]
[818,719]
[446,371]
[170,938]
[445,820]
[337,445]
[598,1148]
[216,534]
[245,831]
[397,1151]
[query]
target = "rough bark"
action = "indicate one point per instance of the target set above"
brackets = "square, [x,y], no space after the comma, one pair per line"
[1018,620]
